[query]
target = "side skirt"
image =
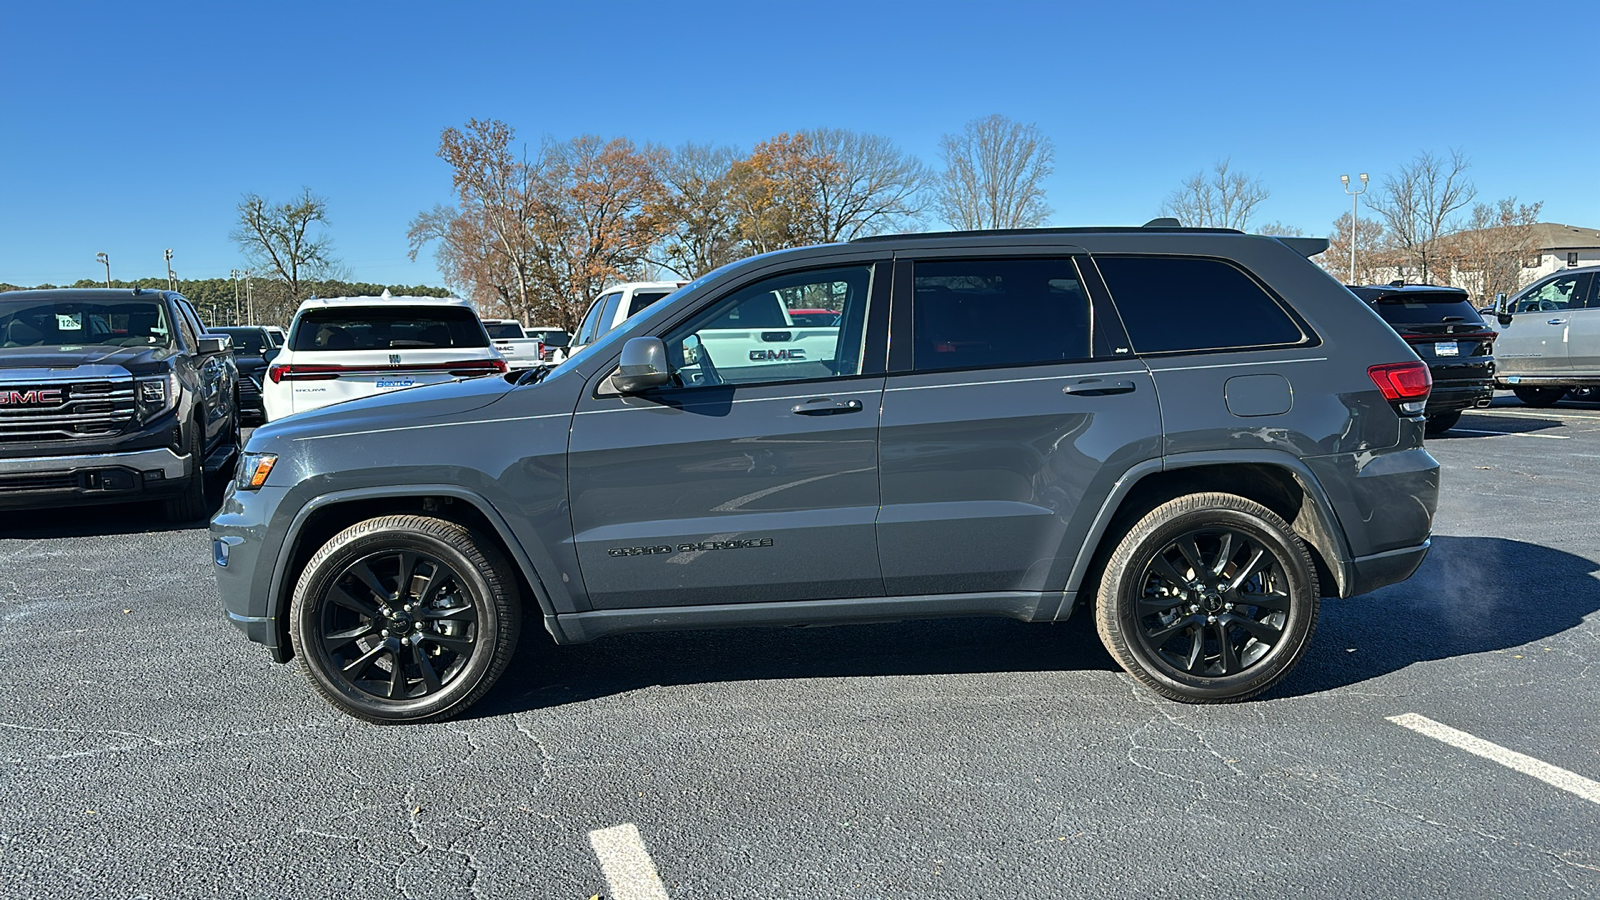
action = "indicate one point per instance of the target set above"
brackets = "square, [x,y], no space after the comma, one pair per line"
[1029,606]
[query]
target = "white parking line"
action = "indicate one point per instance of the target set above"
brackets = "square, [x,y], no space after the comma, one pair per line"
[1554,776]
[630,875]
[1512,413]
[1552,437]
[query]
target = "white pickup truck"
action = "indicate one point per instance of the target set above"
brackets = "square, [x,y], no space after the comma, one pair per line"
[520,351]
[760,333]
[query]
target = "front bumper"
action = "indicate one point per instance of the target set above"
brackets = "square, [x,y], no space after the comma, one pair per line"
[37,481]
[241,538]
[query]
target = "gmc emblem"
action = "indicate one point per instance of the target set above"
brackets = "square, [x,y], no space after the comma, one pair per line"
[46,397]
[792,355]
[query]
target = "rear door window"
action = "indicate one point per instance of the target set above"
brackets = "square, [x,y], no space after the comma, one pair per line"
[388,328]
[1176,304]
[990,313]
[644,299]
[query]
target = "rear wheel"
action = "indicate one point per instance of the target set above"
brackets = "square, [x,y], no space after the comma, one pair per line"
[1209,598]
[1539,396]
[405,619]
[1439,423]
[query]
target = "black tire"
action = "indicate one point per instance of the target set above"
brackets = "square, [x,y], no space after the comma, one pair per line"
[191,505]
[1439,423]
[1151,602]
[405,653]
[1540,397]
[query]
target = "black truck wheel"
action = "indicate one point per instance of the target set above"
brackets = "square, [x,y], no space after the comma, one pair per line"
[1209,598]
[191,504]
[1439,423]
[1539,396]
[405,619]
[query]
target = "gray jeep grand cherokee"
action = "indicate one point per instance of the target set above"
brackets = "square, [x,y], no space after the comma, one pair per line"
[1196,433]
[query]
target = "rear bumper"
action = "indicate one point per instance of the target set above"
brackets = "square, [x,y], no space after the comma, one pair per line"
[1381,569]
[37,481]
[1452,397]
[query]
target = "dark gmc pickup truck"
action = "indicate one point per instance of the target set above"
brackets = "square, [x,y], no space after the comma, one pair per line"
[111,396]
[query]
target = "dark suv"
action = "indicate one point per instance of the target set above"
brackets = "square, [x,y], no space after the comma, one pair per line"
[111,396]
[1449,335]
[1193,432]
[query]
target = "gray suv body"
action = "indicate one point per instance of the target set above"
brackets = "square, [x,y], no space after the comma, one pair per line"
[1197,433]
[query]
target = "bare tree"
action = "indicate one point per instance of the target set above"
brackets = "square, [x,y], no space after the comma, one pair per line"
[592,221]
[696,209]
[1221,199]
[1280,229]
[1375,255]
[994,172]
[1490,255]
[871,187]
[1419,205]
[277,238]
[483,241]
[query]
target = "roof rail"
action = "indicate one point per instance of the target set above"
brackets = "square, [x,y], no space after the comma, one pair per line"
[1027,232]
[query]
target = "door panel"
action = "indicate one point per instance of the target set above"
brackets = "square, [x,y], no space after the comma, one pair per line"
[1536,340]
[1583,333]
[987,473]
[728,494]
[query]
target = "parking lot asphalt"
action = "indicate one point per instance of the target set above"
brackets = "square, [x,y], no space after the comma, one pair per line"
[149,750]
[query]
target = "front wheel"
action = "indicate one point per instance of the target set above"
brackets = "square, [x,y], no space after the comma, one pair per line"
[191,504]
[1540,397]
[1209,598]
[405,619]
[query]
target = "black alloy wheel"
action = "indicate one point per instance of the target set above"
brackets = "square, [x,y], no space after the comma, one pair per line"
[405,619]
[1209,598]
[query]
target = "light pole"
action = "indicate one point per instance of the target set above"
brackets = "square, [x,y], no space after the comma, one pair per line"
[235,273]
[1355,200]
[106,261]
[172,281]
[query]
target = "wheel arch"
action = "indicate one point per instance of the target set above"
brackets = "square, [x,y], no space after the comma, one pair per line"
[1280,482]
[327,515]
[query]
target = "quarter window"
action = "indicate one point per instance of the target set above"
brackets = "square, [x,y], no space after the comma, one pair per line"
[1172,304]
[748,337]
[993,313]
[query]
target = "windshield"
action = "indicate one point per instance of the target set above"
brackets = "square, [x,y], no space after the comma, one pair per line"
[374,328]
[58,323]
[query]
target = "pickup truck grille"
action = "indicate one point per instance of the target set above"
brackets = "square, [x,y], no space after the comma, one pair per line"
[43,411]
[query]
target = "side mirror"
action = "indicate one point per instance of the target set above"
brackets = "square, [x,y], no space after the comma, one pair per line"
[214,343]
[270,355]
[643,366]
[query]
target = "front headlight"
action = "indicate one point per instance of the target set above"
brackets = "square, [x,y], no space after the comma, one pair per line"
[154,396]
[253,470]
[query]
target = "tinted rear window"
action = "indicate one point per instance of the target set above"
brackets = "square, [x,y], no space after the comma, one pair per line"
[376,328]
[1417,308]
[644,299]
[504,331]
[1173,303]
[992,313]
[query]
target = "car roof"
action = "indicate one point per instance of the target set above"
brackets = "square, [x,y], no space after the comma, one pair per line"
[338,302]
[87,294]
[1375,292]
[644,286]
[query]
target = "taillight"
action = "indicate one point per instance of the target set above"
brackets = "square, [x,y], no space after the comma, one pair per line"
[472,367]
[290,372]
[1406,384]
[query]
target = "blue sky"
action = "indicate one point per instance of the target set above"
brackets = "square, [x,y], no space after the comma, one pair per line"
[132,127]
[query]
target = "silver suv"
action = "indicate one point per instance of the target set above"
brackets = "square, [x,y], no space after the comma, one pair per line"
[1549,345]
[1194,434]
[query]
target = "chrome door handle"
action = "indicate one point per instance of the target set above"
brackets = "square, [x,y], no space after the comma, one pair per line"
[1556,322]
[1094,387]
[824,406]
